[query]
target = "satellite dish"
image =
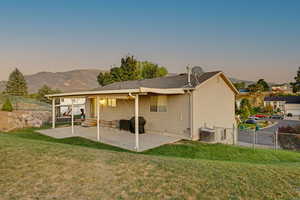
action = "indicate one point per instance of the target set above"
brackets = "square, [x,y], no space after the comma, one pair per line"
[197,72]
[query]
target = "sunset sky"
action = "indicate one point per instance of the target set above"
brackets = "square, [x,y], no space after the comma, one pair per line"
[246,39]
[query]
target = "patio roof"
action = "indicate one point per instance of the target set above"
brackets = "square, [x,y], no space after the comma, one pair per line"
[121,91]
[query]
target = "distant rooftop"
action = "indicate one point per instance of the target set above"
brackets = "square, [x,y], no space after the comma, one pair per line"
[287,99]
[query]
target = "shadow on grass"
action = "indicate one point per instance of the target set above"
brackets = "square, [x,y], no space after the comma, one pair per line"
[182,149]
[32,134]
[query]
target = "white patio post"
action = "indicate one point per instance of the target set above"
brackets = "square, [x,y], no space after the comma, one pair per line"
[72,116]
[98,118]
[136,115]
[53,112]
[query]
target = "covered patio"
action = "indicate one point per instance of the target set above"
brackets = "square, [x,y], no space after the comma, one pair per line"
[112,136]
[96,104]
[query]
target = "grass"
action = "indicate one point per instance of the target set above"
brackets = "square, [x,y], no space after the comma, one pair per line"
[196,150]
[33,166]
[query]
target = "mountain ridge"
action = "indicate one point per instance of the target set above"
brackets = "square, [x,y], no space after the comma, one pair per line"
[73,80]
[68,81]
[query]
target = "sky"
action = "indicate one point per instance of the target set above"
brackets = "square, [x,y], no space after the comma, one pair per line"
[247,39]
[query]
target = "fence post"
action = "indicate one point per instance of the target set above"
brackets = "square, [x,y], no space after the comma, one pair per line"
[276,139]
[233,134]
[215,129]
[254,139]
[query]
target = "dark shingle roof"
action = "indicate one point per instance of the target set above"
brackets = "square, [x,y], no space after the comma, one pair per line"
[178,81]
[287,99]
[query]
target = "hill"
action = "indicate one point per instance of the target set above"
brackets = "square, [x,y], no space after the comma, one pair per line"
[68,81]
[25,104]
[38,167]
[76,80]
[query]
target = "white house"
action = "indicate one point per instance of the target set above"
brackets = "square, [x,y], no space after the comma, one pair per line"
[287,104]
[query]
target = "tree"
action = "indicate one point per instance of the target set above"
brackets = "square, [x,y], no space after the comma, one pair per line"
[240,85]
[7,106]
[131,69]
[245,113]
[296,85]
[16,84]
[255,88]
[264,84]
[104,78]
[245,109]
[46,90]
[149,70]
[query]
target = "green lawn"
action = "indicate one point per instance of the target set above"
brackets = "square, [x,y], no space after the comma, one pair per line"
[33,166]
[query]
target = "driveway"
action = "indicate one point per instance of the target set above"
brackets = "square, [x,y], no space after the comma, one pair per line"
[264,136]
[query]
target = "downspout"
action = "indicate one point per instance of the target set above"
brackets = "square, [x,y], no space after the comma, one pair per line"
[129,94]
[191,124]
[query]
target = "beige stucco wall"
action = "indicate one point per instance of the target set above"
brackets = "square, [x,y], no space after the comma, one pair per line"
[213,105]
[174,122]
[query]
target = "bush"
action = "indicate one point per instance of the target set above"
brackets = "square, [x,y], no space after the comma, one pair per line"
[289,129]
[289,141]
[256,110]
[7,106]
[289,137]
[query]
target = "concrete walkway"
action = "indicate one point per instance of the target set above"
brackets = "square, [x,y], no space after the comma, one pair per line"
[113,136]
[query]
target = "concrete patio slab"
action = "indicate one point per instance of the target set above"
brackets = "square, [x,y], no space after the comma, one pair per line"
[113,136]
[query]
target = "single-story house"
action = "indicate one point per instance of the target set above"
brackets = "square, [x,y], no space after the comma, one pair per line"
[285,88]
[287,104]
[177,105]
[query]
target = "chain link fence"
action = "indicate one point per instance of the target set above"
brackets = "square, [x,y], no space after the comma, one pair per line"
[258,138]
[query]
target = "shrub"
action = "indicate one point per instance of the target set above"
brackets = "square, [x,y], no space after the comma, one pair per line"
[289,129]
[7,106]
[289,137]
[289,141]
[257,110]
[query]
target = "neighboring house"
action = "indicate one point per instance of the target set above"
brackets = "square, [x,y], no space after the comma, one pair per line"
[174,105]
[284,88]
[287,104]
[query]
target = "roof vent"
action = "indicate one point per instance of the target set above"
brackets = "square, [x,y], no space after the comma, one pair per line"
[197,72]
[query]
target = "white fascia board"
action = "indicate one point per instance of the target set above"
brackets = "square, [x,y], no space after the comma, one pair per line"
[163,91]
[126,91]
[85,93]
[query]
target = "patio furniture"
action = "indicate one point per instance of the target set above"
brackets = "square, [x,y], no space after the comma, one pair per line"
[124,125]
[142,123]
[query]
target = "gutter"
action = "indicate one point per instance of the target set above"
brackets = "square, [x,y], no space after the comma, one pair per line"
[124,91]
[191,124]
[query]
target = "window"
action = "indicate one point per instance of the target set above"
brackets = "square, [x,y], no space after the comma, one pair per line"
[112,102]
[158,103]
[108,102]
